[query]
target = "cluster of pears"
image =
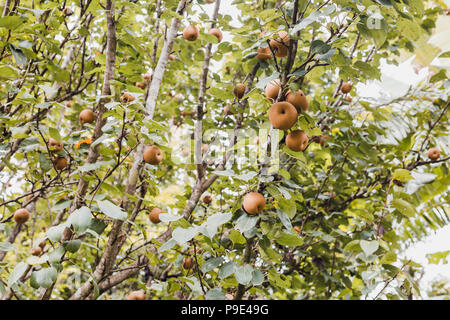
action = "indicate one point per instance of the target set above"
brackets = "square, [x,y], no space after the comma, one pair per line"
[59,162]
[88,116]
[283,114]
[153,155]
[37,251]
[145,83]
[191,33]
[279,44]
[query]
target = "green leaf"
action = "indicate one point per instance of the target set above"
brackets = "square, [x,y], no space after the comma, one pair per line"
[72,245]
[56,255]
[55,233]
[441,75]
[34,261]
[353,245]
[404,207]
[6,246]
[284,219]
[289,239]
[45,277]
[257,277]
[386,3]
[61,205]
[93,166]
[54,134]
[182,235]
[111,210]
[244,274]
[97,225]
[49,91]
[236,237]
[402,175]
[215,294]
[211,264]
[11,22]
[45,164]
[265,81]
[388,258]
[438,257]
[17,273]
[227,269]
[18,54]
[80,219]
[320,47]
[167,217]
[246,222]
[214,221]
[369,247]
[167,245]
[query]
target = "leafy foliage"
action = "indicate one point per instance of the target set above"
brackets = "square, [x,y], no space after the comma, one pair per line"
[338,215]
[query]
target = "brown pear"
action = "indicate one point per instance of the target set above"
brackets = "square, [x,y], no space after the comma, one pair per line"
[60,163]
[348,99]
[239,90]
[281,51]
[172,57]
[55,145]
[323,139]
[147,77]
[272,89]
[216,32]
[154,215]
[227,111]
[153,155]
[282,115]
[36,251]
[254,203]
[297,140]
[207,199]
[188,263]
[298,100]
[126,98]
[282,37]
[68,104]
[191,33]
[21,216]
[136,295]
[434,153]
[67,12]
[141,85]
[280,44]
[42,244]
[346,87]
[87,116]
[264,54]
